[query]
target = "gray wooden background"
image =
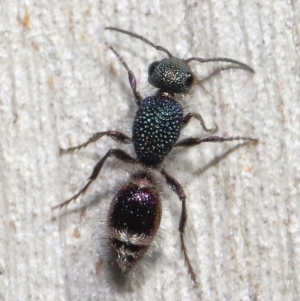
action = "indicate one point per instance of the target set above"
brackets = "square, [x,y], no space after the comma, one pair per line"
[59,84]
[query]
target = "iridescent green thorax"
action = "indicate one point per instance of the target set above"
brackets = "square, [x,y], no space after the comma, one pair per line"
[156,128]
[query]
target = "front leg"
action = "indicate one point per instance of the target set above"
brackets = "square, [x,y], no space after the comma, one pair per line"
[131,78]
[197,116]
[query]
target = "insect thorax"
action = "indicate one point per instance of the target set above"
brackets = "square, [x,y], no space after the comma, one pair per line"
[156,128]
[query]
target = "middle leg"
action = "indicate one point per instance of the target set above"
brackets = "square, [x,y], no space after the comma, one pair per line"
[189,142]
[115,135]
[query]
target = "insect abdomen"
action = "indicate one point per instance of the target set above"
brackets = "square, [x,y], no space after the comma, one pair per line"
[134,219]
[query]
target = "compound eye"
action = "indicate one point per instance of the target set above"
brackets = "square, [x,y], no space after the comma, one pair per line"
[189,80]
[152,67]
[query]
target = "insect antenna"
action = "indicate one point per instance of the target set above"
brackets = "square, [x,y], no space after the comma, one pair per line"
[157,47]
[201,60]
[220,59]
